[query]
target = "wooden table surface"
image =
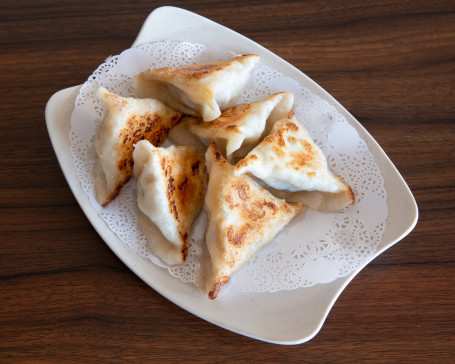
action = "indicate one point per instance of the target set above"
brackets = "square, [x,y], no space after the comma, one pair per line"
[64,296]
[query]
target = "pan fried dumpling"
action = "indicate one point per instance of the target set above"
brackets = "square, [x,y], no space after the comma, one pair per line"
[288,159]
[170,190]
[242,218]
[126,122]
[237,130]
[200,89]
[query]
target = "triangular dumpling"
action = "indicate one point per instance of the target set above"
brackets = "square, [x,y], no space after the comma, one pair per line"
[199,89]
[242,218]
[170,190]
[288,159]
[127,121]
[237,130]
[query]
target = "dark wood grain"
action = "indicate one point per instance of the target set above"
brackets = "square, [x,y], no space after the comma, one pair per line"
[64,296]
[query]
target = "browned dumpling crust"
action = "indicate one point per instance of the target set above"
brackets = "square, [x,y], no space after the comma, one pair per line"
[170,191]
[201,90]
[126,122]
[291,163]
[242,218]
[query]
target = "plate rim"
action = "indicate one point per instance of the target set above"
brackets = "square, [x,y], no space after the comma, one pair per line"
[61,100]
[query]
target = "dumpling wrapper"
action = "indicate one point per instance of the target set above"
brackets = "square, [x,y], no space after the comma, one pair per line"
[242,218]
[126,122]
[288,159]
[238,129]
[181,134]
[170,191]
[200,90]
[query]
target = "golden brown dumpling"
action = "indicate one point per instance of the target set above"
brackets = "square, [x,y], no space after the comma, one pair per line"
[288,159]
[126,122]
[201,89]
[170,190]
[242,218]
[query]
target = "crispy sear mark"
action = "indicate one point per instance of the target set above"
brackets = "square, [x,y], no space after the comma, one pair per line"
[117,102]
[171,197]
[183,183]
[237,236]
[242,163]
[191,72]
[217,287]
[292,140]
[230,201]
[281,141]
[242,189]
[304,159]
[185,248]
[198,71]
[351,194]
[291,126]
[195,167]
[138,127]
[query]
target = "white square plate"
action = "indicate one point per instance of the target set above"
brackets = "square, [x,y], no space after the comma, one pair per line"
[285,317]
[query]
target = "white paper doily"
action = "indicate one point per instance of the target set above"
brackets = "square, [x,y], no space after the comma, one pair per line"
[315,247]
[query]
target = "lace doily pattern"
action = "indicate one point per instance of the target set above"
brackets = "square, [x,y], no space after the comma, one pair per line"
[315,247]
